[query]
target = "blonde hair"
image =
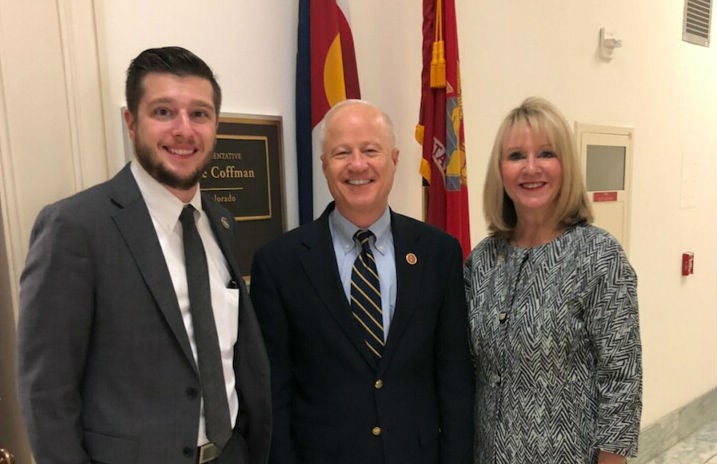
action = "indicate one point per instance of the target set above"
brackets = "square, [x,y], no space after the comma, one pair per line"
[572,206]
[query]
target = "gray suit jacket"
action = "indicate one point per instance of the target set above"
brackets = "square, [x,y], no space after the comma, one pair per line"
[106,372]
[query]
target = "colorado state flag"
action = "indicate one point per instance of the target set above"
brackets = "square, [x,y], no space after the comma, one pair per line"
[325,74]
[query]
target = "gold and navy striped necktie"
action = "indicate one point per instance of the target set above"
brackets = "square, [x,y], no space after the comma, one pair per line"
[366,295]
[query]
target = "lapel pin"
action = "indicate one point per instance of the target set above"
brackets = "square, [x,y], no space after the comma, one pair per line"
[411,259]
[225,222]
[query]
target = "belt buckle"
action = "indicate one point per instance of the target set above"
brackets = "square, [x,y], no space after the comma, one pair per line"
[208,452]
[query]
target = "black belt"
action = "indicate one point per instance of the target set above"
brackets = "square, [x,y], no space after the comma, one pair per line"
[207,453]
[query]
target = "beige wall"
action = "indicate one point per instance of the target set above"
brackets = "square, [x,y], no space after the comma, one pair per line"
[53,138]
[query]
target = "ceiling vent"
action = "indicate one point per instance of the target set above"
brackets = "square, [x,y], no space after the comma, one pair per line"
[696,26]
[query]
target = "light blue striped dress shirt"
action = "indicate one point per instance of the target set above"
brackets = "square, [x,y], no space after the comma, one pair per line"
[347,249]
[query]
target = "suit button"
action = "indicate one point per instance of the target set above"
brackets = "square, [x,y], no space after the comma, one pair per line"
[187,452]
[378,384]
[376,431]
[192,392]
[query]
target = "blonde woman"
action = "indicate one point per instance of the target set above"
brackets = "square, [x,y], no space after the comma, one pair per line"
[552,308]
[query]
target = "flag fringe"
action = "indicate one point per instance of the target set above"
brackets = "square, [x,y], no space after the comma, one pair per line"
[418,134]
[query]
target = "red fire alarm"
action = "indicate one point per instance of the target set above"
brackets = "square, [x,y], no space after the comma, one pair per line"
[688,263]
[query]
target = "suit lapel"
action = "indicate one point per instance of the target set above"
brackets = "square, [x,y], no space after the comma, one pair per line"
[222,226]
[409,274]
[135,226]
[319,263]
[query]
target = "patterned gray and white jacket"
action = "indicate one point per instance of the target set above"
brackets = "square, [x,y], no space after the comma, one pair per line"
[556,344]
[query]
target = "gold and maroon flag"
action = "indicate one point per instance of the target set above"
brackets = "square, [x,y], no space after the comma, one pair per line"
[440,124]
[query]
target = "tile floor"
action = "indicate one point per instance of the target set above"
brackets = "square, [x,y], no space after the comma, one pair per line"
[698,448]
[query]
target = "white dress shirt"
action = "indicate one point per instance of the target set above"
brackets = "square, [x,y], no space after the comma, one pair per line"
[165,208]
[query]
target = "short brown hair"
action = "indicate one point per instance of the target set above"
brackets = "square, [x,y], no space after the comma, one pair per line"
[166,60]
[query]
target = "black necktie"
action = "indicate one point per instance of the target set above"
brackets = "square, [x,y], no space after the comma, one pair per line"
[366,295]
[216,407]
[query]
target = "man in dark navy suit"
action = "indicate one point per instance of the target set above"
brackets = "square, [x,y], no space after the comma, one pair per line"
[347,387]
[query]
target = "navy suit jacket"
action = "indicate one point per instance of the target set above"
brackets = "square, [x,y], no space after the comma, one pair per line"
[333,402]
[106,372]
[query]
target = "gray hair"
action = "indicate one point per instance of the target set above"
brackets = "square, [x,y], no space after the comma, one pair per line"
[385,118]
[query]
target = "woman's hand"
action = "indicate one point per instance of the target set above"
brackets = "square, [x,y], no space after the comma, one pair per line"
[606,457]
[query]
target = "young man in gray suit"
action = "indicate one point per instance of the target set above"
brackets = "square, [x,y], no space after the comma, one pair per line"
[367,338]
[123,356]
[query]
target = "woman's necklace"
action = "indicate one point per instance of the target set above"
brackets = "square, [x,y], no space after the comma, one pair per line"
[512,281]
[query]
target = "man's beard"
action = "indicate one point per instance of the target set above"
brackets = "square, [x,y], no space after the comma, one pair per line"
[157,169]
